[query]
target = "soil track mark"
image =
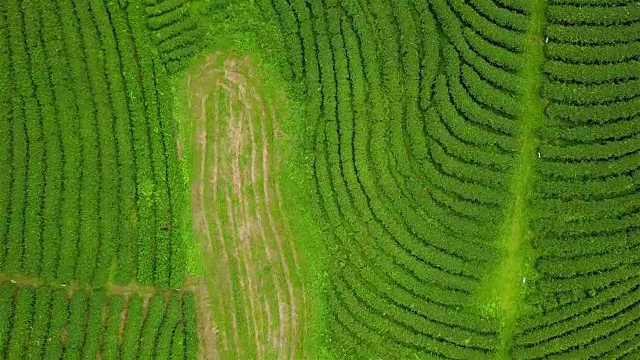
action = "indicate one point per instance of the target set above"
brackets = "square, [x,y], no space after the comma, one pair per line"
[110,288]
[248,255]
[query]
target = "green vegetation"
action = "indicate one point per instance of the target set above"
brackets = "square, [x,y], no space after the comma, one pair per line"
[85,92]
[46,323]
[264,179]
[94,192]
[475,165]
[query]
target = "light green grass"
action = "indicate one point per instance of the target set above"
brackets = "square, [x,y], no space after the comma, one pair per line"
[506,286]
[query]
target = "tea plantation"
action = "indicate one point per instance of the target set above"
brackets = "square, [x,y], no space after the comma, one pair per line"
[340,179]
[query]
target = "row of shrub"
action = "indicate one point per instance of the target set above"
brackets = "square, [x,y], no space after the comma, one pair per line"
[585,214]
[507,38]
[51,323]
[395,215]
[174,31]
[593,15]
[24,199]
[594,35]
[601,54]
[397,145]
[92,168]
[588,74]
[592,324]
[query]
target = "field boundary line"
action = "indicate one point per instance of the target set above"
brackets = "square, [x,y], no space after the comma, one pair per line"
[510,281]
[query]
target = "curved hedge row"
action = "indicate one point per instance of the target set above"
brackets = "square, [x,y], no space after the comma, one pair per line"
[595,35]
[574,53]
[407,198]
[174,31]
[588,74]
[415,154]
[586,213]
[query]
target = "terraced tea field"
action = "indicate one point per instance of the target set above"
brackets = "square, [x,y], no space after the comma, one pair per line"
[92,244]
[322,179]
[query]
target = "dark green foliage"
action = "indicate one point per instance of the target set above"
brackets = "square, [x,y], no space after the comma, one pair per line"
[415,140]
[174,30]
[20,323]
[361,92]
[163,6]
[92,167]
[150,329]
[40,164]
[60,307]
[177,343]
[19,190]
[594,15]
[76,83]
[594,54]
[585,207]
[93,190]
[593,73]
[90,109]
[596,94]
[166,331]
[509,39]
[47,323]
[594,34]
[189,318]
[41,322]
[111,332]
[416,116]
[502,16]
[6,314]
[94,328]
[121,78]
[5,133]
[134,322]
[78,307]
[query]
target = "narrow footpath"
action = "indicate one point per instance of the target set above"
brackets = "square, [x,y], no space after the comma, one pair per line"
[510,281]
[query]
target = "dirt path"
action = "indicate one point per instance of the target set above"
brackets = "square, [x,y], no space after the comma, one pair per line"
[220,236]
[247,251]
[110,289]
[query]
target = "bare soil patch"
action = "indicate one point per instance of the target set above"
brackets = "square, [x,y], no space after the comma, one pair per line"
[247,250]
